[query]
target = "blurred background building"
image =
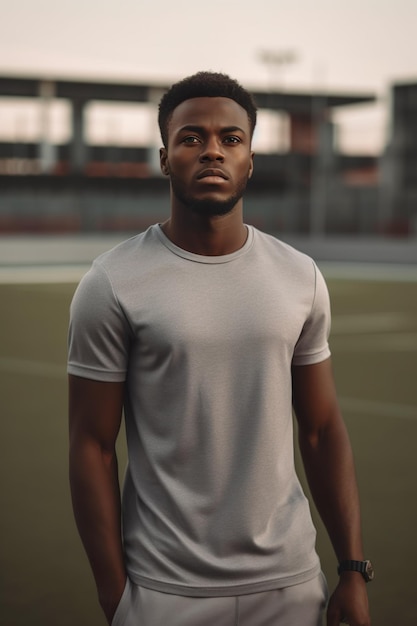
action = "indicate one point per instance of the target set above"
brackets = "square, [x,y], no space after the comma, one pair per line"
[64,176]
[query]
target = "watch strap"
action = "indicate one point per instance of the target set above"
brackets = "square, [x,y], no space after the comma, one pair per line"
[362,567]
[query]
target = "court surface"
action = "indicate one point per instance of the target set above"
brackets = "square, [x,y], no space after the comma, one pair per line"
[45,579]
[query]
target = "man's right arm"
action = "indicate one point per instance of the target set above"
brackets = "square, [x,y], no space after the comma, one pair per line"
[95,411]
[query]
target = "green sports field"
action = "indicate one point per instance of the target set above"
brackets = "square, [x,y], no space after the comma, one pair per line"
[45,580]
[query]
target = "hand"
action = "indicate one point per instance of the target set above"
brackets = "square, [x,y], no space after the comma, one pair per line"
[349,602]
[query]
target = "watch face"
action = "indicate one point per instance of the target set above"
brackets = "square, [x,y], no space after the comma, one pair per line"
[369,571]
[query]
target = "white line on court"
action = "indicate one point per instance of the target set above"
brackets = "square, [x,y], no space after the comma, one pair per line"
[72,272]
[401,272]
[32,368]
[380,409]
[376,331]
[369,322]
[40,275]
[391,342]
[353,405]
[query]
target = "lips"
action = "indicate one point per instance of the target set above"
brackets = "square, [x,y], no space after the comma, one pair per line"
[212,172]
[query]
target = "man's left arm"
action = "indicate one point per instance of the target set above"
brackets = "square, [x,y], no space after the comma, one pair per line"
[328,462]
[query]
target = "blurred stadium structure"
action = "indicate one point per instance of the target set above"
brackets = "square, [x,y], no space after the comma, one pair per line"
[303,185]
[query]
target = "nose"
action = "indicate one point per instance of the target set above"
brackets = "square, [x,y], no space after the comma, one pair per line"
[212,150]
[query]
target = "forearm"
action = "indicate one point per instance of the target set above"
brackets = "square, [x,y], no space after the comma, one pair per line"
[96,503]
[328,461]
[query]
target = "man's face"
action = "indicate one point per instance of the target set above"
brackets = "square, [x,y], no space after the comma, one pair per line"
[208,157]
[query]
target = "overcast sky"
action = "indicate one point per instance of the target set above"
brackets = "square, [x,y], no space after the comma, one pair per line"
[360,45]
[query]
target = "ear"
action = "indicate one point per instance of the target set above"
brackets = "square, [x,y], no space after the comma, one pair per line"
[163,161]
[252,155]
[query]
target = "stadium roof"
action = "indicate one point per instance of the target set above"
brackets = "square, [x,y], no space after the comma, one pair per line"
[84,90]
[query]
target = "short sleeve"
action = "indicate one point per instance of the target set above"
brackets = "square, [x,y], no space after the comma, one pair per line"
[313,343]
[99,333]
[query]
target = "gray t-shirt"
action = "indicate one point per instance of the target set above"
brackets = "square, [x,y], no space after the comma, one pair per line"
[211,501]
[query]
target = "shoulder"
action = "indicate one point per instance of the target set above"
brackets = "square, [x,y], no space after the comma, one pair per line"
[109,271]
[271,242]
[127,252]
[120,265]
[289,258]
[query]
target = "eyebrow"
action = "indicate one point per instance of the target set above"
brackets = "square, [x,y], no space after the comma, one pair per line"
[200,129]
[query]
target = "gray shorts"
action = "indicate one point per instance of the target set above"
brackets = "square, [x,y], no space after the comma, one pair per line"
[302,604]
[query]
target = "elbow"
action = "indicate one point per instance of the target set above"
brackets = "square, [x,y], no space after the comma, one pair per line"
[310,441]
[87,456]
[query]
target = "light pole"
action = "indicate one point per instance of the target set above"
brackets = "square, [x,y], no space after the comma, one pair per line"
[323,163]
[275,61]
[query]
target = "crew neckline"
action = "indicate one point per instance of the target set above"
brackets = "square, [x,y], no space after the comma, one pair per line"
[200,258]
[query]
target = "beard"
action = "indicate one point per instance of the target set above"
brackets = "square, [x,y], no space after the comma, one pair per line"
[208,207]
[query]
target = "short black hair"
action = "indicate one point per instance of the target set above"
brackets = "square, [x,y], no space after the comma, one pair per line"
[202,85]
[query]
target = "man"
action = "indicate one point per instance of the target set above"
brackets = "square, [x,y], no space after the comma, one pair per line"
[206,332]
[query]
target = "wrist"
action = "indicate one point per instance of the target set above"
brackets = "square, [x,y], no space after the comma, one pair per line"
[349,568]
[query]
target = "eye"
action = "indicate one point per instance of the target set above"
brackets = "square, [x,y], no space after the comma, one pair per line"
[232,139]
[190,139]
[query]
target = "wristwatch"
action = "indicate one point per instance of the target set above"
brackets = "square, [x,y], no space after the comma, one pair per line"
[363,567]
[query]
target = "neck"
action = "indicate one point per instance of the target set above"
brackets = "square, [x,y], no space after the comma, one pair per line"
[213,236]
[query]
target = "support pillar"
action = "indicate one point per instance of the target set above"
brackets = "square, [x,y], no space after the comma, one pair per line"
[47,151]
[154,96]
[78,149]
